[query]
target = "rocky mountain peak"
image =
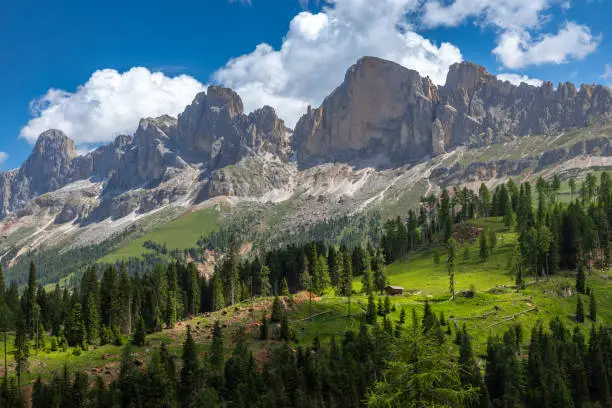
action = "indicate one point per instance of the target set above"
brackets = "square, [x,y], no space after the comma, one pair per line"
[225,99]
[466,75]
[53,143]
[387,111]
[376,111]
[48,166]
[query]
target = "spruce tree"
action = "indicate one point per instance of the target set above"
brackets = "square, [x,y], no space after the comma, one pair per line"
[31,300]
[218,299]
[277,310]
[285,288]
[263,329]
[265,289]
[402,318]
[216,351]
[189,371]
[366,277]
[580,280]
[93,320]
[22,347]
[483,246]
[579,310]
[371,311]
[284,328]
[452,259]
[592,306]
[492,240]
[387,306]
[139,338]
[380,275]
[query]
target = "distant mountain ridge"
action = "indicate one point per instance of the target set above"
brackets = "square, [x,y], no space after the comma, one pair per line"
[382,116]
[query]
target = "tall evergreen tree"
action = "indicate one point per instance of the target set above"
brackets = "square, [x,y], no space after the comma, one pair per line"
[483,246]
[579,310]
[22,347]
[452,259]
[592,306]
[217,358]
[580,280]
[189,370]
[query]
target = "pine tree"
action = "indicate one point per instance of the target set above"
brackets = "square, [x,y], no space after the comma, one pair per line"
[265,289]
[380,310]
[380,275]
[22,348]
[216,352]
[387,306]
[75,330]
[592,306]
[285,288]
[124,302]
[492,240]
[277,310]
[484,248]
[452,258]
[218,299]
[402,318]
[263,329]
[371,311]
[366,277]
[189,371]
[580,280]
[193,289]
[579,311]
[140,334]
[284,328]
[31,300]
[93,320]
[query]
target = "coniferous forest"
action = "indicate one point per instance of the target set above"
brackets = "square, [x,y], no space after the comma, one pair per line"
[421,359]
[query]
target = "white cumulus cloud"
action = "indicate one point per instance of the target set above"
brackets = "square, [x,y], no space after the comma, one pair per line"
[110,103]
[519,27]
[3,157]
[517,49]
[319,47]
[500,13]
[517,79]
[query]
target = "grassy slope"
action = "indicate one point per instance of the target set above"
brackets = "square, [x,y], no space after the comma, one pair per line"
[417,274]
[181,233]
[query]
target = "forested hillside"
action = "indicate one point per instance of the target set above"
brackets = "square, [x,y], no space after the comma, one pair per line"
[506,303]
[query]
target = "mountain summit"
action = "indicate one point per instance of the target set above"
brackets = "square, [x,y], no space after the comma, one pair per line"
[383,130]
[384,109]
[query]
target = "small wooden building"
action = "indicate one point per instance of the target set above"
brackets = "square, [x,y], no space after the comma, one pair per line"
[394,290]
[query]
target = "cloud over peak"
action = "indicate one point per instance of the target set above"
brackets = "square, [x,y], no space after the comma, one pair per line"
[318,48]
[109,103]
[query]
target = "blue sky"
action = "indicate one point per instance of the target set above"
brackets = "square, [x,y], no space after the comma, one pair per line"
[93,68]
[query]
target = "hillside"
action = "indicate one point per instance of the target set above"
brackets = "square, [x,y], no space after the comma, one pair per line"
[419,139]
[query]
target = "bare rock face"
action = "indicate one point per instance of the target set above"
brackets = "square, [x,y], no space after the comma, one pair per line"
[385,109]
[215,130]
[489,110]
[48,167]
[381,108]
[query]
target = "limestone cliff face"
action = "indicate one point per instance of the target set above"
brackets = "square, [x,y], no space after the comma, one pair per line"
[380,108]
[215,130]
[489,110]
[387,110]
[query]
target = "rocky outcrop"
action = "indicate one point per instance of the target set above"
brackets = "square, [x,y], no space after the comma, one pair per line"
[480,171]
[380,108]
[214,130]
[387,110]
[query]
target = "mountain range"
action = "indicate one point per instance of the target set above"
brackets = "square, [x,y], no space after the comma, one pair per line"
[384,133]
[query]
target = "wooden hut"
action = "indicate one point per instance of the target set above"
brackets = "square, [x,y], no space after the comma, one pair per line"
[394,290]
